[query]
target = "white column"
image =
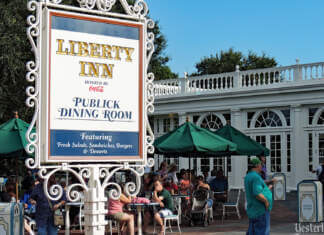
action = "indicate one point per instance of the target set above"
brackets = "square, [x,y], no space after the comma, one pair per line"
[239,164]
[94,205]
[299,140]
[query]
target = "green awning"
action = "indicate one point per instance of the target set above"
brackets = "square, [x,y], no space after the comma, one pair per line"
[189,139]
[12,137]
[245,145]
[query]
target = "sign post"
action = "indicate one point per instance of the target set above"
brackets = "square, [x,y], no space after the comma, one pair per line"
[91,96]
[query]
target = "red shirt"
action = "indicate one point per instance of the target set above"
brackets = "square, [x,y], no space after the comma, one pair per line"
[171,186]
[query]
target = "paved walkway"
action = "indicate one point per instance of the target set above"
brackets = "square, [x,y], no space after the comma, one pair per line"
[284,217]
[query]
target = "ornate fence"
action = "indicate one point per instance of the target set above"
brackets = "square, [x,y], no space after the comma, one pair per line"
[238,80]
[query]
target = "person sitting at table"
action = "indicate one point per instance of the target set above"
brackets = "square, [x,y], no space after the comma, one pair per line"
[115,211]
[202,185]
[9,194]
[29,208]
[185,184]
[147,188]
[220,184]
[163,197]
[163,170]
[173,173]
[170,186]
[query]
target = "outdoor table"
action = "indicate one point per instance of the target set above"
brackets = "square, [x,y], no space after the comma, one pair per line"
[67,215]
[139,207]
[223,192]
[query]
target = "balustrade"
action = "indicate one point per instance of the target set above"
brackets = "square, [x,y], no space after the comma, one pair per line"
[238,80]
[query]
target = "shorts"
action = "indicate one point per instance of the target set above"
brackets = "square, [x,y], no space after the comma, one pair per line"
[165,212]
[209,203]
[117,216]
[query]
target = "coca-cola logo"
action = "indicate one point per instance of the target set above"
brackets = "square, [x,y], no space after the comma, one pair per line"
[96,88]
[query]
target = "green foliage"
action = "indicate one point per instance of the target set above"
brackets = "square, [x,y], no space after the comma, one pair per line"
[15,51]
[226,61]
[159,60]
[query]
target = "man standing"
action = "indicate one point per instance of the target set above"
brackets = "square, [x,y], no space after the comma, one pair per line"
[259,200]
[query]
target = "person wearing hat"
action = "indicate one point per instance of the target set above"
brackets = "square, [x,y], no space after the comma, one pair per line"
[259,200]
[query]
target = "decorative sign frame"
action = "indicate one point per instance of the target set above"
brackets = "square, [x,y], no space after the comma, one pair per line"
[81,98]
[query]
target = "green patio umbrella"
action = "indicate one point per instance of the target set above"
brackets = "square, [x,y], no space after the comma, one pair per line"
[13,141]
[190,140]
[245,145]
[12,137]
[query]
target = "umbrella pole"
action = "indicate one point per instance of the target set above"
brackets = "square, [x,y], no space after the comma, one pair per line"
[225,166]
[190,173]
[17,179]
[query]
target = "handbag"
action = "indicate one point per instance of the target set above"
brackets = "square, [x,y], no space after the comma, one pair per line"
[57,214]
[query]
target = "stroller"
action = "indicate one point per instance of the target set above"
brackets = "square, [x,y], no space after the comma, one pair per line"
[200,213]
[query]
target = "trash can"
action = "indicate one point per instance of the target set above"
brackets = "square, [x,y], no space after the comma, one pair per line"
[279,187]
[310,199]
[11,219]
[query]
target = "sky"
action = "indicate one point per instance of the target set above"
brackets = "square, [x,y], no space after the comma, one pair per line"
[284,29]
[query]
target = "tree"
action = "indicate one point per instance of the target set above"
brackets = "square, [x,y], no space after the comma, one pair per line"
[226,61]
[15,52]
[158,64]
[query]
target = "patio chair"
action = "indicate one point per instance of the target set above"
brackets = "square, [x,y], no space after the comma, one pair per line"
[232,203]
[174,217]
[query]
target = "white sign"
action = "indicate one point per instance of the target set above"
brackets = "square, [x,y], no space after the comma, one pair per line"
[307,207]
[94,89]
[279,190]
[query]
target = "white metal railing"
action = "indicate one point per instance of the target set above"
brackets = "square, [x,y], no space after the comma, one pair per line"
[251,79]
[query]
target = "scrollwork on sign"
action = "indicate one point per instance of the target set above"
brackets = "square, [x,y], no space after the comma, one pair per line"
[92,178]
[32,75]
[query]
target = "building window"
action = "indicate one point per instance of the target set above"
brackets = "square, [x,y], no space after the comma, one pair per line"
[286,113]
[311,114]
[204,164]
[268,119]
[195,118]
[275,153]
[211,122]
[166,125]
[288,153]
[219,163]
[173,160]
[175,123]
[321,119]
[310,151]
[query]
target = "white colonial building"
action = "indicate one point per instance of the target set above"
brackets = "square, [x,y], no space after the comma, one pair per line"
[281,108]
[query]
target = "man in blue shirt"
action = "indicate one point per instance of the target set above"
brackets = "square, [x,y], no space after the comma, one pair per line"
[44,211]
[259,200]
